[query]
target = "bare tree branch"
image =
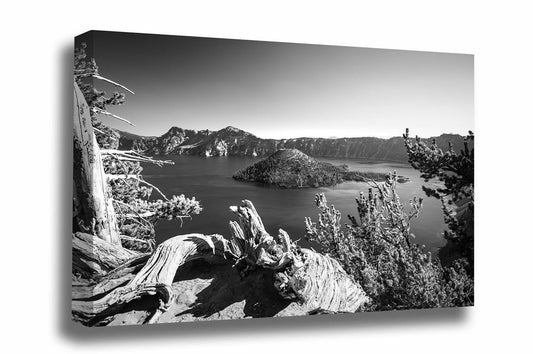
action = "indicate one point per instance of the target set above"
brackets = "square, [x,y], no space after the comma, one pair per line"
[97,76]
[130,155]
[101,111]
[134,239]
[112,82]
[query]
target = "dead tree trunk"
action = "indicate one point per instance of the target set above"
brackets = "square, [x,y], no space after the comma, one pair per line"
[93,257]
[317,281]
[94,303]
[95,211]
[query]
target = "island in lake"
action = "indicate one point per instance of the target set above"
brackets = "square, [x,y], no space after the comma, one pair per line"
[291,168]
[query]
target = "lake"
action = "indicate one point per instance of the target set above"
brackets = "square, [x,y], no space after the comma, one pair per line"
[208,179]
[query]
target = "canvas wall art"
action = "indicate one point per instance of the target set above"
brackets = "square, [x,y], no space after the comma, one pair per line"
[220,179]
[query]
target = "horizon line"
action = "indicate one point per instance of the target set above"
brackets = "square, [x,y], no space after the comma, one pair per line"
[299,137]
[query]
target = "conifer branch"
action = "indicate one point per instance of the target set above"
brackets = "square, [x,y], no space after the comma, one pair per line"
[138,178]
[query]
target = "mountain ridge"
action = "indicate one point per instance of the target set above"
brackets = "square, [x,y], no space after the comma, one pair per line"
[232,141]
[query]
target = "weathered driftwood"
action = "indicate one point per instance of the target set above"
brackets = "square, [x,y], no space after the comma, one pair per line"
[154,279]
[94,257]
[85,290]
[99,266]
[95,209]
[316,280]
[322,284]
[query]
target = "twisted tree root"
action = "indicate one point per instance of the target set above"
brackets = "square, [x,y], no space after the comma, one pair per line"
[317,281]
[154,279]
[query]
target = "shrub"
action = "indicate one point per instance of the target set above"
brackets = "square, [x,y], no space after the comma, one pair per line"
[455,171]
[377,250]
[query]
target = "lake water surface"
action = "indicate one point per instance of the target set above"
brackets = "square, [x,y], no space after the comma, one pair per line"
[209,180]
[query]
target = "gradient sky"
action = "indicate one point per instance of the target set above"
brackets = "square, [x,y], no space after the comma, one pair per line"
[284,90]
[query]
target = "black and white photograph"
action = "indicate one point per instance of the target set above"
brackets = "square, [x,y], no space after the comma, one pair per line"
[220,179]
[249,177]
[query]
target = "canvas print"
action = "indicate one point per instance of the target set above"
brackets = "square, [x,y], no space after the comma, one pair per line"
[220,179]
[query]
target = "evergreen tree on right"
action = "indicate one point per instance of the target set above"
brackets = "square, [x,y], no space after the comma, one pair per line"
[377,250]
[455,173]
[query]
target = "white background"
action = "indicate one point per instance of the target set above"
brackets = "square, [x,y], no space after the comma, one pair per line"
[36,147]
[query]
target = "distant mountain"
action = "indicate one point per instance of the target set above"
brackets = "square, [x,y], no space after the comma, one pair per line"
[232,141]
[291,168]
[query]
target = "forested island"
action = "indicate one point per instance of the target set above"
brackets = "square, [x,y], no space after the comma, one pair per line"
[291,168]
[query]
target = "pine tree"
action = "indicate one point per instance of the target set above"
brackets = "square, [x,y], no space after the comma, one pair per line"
[455,171]
[135,209]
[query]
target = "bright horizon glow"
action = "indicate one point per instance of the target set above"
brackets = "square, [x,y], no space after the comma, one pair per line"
[283,90]
[297,137]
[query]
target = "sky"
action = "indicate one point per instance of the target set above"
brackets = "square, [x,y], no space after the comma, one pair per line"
[283,90]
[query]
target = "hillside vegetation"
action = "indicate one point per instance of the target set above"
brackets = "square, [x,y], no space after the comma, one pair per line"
[291,168]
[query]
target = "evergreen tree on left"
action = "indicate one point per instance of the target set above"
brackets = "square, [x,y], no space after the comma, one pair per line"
[124,191]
